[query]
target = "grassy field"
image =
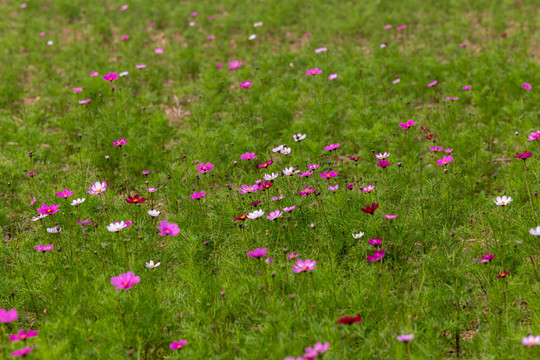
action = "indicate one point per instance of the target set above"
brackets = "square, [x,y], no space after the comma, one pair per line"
[190,96]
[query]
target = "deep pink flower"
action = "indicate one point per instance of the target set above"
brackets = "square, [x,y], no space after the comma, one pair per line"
[204,168]
[141,66]
[197,196]
[306,191]
[390,217]
[431,84]
[110,77]
[22,335]
[445,160]
[273,215]
[125,37]
[383,164]
[49,210]
[486,258]
[84,222]
[289,209]
[45,248]
[158,51]
[368,189]
[526,86]
[246,84]
[523,156]
[326,174]
[31,174]
[449,98]
[436,148]
[85,101]
[167,228]
[463,44]
[306,174]
[467,87]
[331,147]
[247,156]
[405,337]
[534,136]
[64,194]
[374,242]
[313,166]
[235,64]
[94,73]
[333,188]
[377,255]
[304,266]
[22,352]
[175,345]
[265,164]
[408,124]
[77,90]
[119,142]
[257,253]
[7,316]
[370,209]
[315,71]
[402,27]
[125,281]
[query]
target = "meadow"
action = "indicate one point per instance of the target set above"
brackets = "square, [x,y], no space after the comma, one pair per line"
[290,180]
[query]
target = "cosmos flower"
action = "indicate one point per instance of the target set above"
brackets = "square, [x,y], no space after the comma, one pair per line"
[288,171]
[502,201]
[54,230]
[273,215]
[331,147]
[151,264]
[390,217]
[23,335]
[110,77]
[531,340]
[125,281]
[241,217]
[382,156]
[45,248]
[383,164]
[436,148]
[377,255]
[234,64]
[270,177]
[246,84]
[204,168]
[467,87]
[64,193]
[289,209]
[175,345]
[48,210]
[405,337]
[333,188]
[306,191]
[247,156]
[304,266]
[151,189]
[119,142]
[257,253]
[358,236]
[445,160]
[39,217]
[347,320]
[326,174]
[523,156]
[77,202]
[407,124]
[22,352]
[141,66]
[167,228]
[431,84]
[317,350]
[374,242]
[97,188]
[315,71]
[77,90]
[8,316]
[355,158]
[535,231]
[368,189]
[265,165]
[534,136]
[333,76]
[248,189]
[486,258]
[158,51]
[313,166]
[299,137]
[255,214]
[502,275]
[198,196]
[137,199]
[526,86]
[118,225]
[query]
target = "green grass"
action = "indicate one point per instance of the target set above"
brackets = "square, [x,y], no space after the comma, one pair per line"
[182,108]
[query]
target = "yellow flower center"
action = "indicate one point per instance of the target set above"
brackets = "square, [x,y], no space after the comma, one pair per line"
[304,267]
[48,210]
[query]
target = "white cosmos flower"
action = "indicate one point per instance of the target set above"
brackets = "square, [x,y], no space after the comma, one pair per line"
[153,213]
[270,177]
[286,150]
[382,156]
[257,24]
[118,225]
[256,214]
[77,202]
[122,74]
[252,37]
[299,137]
[50,43]
[151,264]
[288,171]
[358,236]
[54,230]
[39,217]
[278,149]
[535,232]
[502,201]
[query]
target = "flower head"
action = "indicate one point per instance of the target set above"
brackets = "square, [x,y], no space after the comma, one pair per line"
[118,225]
[316,350]
[175,345]
[77,202]
[22,352]
[273,215]
[97,188]
[535,231]
[407,124]
[531,340]
[125,281]
[523,156]
[347,320]
[197,196]
[486,258]
[23,335]
[304,266]
[166,228]
[7,316]
[383,164]
[368,189]
[526,86]
[390,217]
[64,193]
[502,201]
[534,136]
[137,199]
[502,275]
[377,255]
[405,337]
[247,156]
[445,160]
[235,64]
[382,156]
[315,71]
[151,264]
[48,210]
[257,253]
[299,137]
[326,174]
[255,214]
[374,242]
[119,142]
[110,77]
[331,147]
[246,84]
[370,209]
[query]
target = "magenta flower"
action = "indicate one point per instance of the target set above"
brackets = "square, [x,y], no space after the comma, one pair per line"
[333,76]
[49,210]
[94,73]
[315,71]
[445,160]
[64,194]
[235,64]
[125,37]
[158,51]
[327,174]
[306,191]
[333,188]
[23,335]
[289,209]
[523,156]
[368,189]
[22,352]
[85,101]
[304,266]
[463,44]
[390,217]
[436,148]
[218,65]
[273,215]
[247,156]
[383,164]
[257,253]
[526,86]
[97,188]
[292,255]
[77,90]
[402,27]
[431,84]
[405,337]
[448,151]
[306,174]
[449,98]
[175,345]
[408,124]
[331,147]
[119,142]
[7,316]
[204,168]
[45,248]
[316,350]
[467,87]
[125,281]
[110,77]
[197,196]
[166,228]
[534,136]
[486,258]
[313,166]
[84,223]
[246,84]
[374,242]
[377,255]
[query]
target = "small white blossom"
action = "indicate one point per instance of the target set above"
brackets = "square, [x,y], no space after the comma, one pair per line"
[153,213]
[252,37]
[502,201]
[358,236]
[77,202]
[256,214]
[54,230]
[151,264]
[270,177]
[288,171]
[535,232]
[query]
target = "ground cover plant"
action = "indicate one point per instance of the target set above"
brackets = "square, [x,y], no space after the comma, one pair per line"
[270,179]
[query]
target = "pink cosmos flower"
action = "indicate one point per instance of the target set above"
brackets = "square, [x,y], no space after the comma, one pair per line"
[22,335]
[124,7]
[77,90]
[402,27]
[331,147]
[307,35]
[45,248]
[64,193]
[313,166]
[175,345]
[526,86]
[84,223]
[235,64]
[387,27]
[110,77]
[326,174]
[368,189]
[448,151]
[317,350]
[449,98]
[306,191]
[257,253]
[383,164]
[211,37]
[94,73]
[125,281]
[332,76]
[534,136]
[85,101]
[463,44]
[22,352]
[97,188]
[306,174]
[273,215]
[145,172]
[467,87]
[167,228]
[374,242]
[33,201]
[197,196]
[289,209]
[333,188]
[31,174]
[276,198]
[49,210]
[204,168]
[320,50]
[531,340]
[246,84]
[119,142]
[377,255]
[486,258]
[431,84]
[219,65]
[445,160]
[248,189]
[158,51]
[247,156]
[292,255]
[405,337]
[141,66]
[125,37]
[315,71]
[390,217]
[396,81]
[7,316]
[304,266]
[408,124]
